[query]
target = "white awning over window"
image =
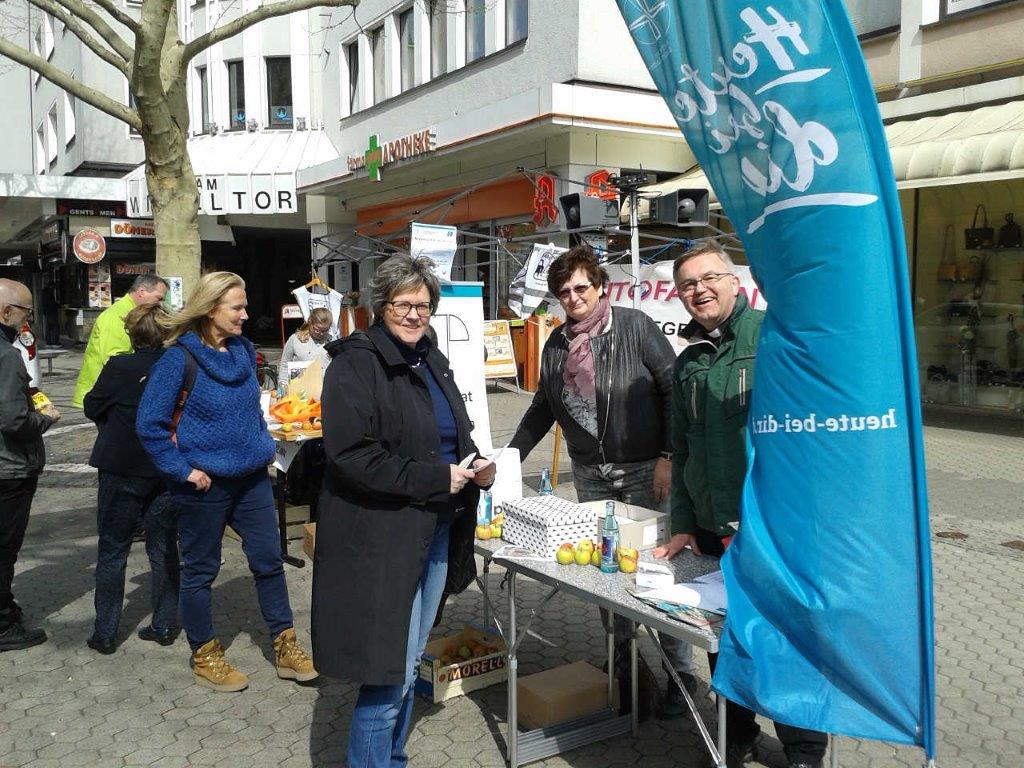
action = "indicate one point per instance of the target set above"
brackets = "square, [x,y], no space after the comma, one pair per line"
[243,172]
[983,144]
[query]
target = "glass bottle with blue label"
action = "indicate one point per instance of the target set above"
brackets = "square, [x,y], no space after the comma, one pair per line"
[545,483]
[609,539]
[485,509]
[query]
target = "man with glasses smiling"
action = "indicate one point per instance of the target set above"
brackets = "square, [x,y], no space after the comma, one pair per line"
[711,386]
[21,459]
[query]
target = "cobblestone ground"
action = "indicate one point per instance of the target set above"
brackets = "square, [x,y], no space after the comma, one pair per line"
[63,705]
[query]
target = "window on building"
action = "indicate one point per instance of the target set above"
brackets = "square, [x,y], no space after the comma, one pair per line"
[377,51]
[70,121]
[48,39]
[203,78]
[352,59]
[438,38]
[236,96]
[517,20]
[51,135]
[871,17]
[37,48]
[476,29]
[40,149]
[279,92]
[407,49]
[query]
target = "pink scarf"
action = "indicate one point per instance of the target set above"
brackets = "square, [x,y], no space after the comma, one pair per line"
[579,374]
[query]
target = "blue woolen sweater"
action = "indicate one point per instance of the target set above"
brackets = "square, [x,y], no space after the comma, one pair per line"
[222,430]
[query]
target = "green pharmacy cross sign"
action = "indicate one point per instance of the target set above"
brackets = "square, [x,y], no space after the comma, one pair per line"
[373,157]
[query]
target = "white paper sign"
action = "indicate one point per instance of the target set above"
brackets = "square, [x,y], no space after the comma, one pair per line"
[436,243]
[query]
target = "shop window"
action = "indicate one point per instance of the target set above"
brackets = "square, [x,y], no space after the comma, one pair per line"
[40,149]
[377,51]
[70,121]
[407,49]
[438,38]
[873,17]
[476,26]
[51,135]
[279,92]
[236,96]
[517,20]
[355,103]
[203,79]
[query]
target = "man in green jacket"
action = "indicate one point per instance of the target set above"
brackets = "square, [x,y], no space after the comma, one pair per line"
[711,385]
[108,337]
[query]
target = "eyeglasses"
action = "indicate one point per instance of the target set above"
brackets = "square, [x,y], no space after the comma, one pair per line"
[579,290]
[403,308]
[30,313]
[688,287]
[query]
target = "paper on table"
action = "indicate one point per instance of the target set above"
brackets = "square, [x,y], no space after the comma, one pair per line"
[708,593]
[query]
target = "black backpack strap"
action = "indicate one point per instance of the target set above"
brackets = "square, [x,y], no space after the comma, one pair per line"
[188,381]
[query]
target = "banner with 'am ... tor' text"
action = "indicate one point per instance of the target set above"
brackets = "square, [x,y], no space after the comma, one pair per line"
[829,578]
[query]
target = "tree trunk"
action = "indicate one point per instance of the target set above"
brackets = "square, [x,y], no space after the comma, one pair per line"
[172,187]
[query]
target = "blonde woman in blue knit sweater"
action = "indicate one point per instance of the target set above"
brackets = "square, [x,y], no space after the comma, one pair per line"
[215,464]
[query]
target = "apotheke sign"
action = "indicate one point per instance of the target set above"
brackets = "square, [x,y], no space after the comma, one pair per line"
[378,154]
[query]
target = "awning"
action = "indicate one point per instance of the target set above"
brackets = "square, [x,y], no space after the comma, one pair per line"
[983,144]
[243,172]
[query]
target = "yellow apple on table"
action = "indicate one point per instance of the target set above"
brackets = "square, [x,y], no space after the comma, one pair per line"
[483,532]
[586,544]
[595,557]
[582,556]
[495,530]
[565,556]
[628,552]
[627,564]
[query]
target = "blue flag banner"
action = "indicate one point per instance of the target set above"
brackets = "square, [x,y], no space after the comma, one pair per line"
[829,579]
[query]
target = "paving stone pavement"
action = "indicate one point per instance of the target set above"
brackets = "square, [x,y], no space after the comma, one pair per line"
[63,705]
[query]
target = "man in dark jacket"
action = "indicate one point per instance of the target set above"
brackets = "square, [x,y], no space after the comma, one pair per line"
[711,387]
[21,459]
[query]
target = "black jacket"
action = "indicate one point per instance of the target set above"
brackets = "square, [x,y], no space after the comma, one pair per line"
[384,476]
[112,403]
[22,453]
[633,363]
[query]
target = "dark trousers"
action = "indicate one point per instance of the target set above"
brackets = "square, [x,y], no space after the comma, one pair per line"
[122,503]
[247,505]
[799,744]
[15,502]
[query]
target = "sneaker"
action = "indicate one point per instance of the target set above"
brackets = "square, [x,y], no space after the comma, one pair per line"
[105,647]
[738,754]
[213,671]
[17,637]
[293,663]
[162,636]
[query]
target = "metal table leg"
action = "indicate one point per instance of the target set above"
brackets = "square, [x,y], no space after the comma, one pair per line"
[634,671]
[833,748]
[721,730]
[281,491]
[512,739]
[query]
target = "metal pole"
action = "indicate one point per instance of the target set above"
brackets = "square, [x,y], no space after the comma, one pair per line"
[721,731]
[513,668]
[634,677]
[634,244]
[834,751]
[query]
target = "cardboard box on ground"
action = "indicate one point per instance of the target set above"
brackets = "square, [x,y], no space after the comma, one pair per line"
[561,694]
[457,664]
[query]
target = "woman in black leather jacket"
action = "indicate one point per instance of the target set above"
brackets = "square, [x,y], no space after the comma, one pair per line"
[606,378]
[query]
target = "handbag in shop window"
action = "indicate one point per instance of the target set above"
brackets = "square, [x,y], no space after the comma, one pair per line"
[976,237]
[947,262]
[973,270]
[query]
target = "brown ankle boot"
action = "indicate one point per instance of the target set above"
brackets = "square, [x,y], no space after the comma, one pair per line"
[293,663]
[212,669]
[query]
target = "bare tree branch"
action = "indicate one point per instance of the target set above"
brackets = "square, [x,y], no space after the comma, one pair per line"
[82,11]
[118,15]
[245,21]
[61,79]
[82,34]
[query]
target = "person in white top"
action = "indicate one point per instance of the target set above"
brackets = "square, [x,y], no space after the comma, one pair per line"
[307,343]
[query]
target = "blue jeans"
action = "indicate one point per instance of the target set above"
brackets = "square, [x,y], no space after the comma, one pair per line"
[247,505]
[383,713]
[122,503]
[632,484]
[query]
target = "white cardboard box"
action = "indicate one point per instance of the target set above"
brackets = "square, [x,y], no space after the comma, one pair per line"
[639,528]
[543,523]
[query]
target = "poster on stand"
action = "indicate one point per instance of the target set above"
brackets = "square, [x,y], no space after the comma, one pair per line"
[437,243]
[459,324]
[500,361]
[530,286]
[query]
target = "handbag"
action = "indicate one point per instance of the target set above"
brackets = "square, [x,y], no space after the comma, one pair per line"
[188,380]
[976,237]
[973,270]
[947,263]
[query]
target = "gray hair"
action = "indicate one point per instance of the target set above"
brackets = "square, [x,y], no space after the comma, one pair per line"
[701,248]
[400,274]
[149,282]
